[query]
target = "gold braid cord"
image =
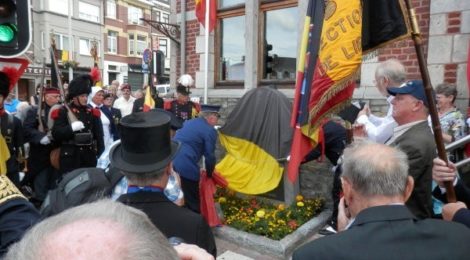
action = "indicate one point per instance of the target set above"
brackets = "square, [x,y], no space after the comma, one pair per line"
[8,190]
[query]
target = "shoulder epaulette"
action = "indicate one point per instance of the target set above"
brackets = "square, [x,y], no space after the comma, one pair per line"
[8,190]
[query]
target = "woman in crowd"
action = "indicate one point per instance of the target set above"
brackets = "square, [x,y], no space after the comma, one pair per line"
[95,100]
[113,115]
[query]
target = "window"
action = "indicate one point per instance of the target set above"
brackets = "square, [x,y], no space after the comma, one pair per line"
[62,42]
[163,46]
[156,16]
[165,18]
[277,54]
[141,44]
[134,14]
[88,12]
[111,9]
[131,44]
[112,42]
[232,49]
[85,47]
[59,6]
[230,3]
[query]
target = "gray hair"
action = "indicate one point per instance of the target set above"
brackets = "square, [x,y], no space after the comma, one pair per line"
[375,169]
[145,240]
[145,178]
[447,90]
[393,70]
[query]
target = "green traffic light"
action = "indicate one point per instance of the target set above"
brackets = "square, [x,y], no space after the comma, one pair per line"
[7,32]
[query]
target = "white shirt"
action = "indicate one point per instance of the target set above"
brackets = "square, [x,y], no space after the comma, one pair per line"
[379,129]
[124,105]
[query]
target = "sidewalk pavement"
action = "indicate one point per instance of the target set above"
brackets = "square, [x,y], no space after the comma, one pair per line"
[230,251]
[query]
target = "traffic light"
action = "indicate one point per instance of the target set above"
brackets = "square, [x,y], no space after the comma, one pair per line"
[15,27]
[268,59]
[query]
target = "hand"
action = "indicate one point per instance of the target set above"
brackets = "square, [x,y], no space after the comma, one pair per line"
[364,111]
[441,172]
[45,140]
[359,130]
[192,252]
[77,126]
[449,210]
[343,215]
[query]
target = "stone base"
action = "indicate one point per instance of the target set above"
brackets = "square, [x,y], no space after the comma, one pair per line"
[280,248]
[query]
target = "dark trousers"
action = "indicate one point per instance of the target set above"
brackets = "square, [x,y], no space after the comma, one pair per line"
[44,181]
[336,192]
[191,194]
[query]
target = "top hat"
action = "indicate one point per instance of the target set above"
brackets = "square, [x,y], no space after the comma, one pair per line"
[145,145]
[414,88]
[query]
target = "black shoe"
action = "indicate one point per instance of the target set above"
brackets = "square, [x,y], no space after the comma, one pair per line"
[327,230]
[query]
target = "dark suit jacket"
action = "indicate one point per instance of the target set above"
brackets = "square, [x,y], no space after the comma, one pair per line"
[418,144]
[391,232]
[172,220]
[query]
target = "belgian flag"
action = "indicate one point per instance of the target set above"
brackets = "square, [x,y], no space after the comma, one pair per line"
[257,139]
[336,35]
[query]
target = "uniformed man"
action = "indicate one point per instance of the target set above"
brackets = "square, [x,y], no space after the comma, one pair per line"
[182,106]
[198,138]
[80,136]
[41,174]
[11,131]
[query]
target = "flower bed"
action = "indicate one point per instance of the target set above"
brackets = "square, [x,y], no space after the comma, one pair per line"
[259,217]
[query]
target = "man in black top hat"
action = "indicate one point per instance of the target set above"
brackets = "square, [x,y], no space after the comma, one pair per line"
[81,138]
[144,157]
[182,106]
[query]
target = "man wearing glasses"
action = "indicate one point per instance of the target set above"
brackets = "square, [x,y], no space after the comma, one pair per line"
[41,175]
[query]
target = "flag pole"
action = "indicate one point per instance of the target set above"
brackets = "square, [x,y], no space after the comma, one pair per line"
[416,35]
[206,49]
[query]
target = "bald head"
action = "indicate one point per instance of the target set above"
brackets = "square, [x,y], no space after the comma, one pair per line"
[78,241]
[99,230]
[375,169]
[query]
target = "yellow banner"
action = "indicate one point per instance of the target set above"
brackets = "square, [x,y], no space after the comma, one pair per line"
[340,46]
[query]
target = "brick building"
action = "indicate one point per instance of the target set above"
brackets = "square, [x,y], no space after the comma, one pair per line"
[126,37]
[248,30]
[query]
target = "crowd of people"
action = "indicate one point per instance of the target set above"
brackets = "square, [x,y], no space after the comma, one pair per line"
[389,190]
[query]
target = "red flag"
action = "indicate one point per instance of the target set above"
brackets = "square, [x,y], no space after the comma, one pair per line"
[329,62]
[201,12]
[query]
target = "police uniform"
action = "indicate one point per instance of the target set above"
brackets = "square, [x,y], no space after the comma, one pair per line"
[78,149]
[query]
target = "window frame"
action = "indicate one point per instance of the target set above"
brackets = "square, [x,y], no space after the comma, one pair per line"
[222,13]
[166,46]
[130,17]
[90,45]
[165,18]
[137,47]
[239,10]
[87,16]
[60,42]
[59,10]
[108,8]
[264,7]
[131,46]
[109,39]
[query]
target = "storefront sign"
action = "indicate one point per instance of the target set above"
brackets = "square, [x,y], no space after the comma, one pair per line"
[37,71]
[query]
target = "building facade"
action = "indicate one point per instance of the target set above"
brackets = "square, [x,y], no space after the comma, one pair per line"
[75,25]
[256,43]
[126,38]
